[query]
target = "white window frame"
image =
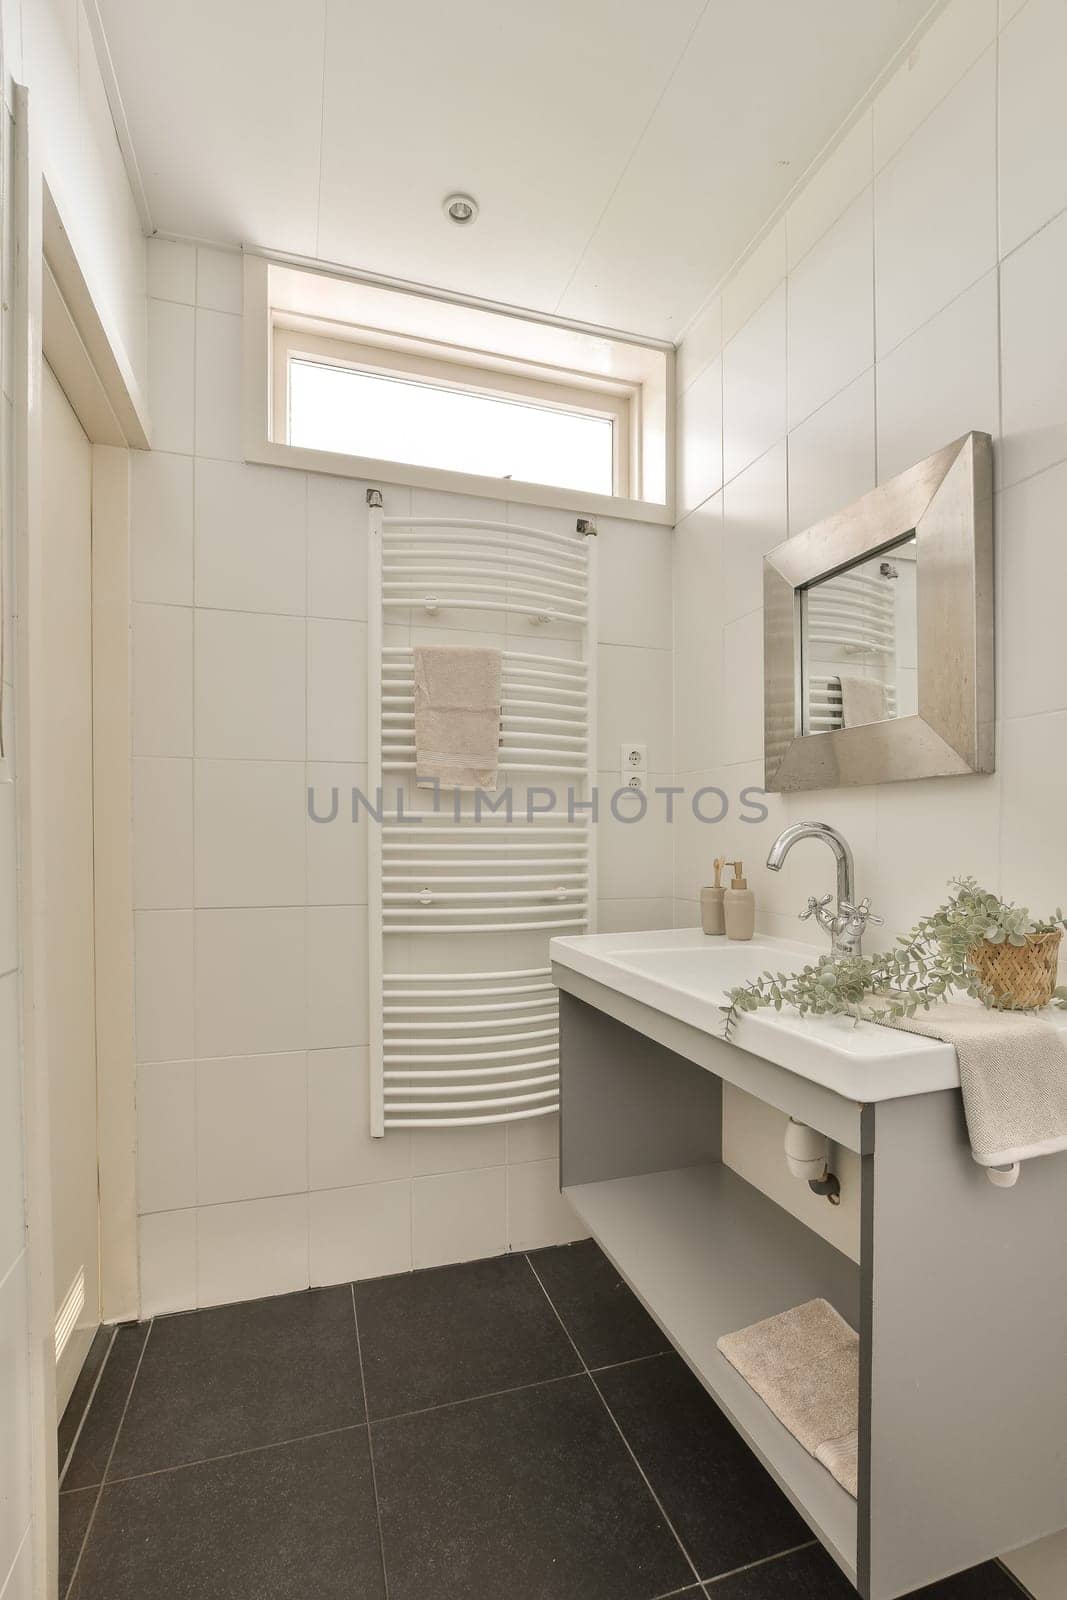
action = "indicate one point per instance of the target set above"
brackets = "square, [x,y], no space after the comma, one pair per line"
[473,372]
[641,374]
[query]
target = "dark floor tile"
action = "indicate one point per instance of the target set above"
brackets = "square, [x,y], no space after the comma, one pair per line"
[89,1460]
[237,1377]
[806,1575]
[75,1510]
[429,1338]
[531,1495]
[987,1582]
[606,1321]
[285,1523]
[726,1508]
[83,1388]
[811,1575]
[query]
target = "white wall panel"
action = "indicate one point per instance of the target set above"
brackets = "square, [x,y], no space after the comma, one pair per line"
[950,354]
[251,928]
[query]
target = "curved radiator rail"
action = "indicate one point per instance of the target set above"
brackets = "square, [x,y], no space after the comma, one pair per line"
[480,1044]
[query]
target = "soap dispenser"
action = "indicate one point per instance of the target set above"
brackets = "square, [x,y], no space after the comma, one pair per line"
[739,905]
[711,898]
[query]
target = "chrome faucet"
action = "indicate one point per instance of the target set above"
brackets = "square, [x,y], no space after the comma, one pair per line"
[847,925]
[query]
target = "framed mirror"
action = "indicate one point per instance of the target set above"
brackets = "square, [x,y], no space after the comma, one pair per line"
[878,632]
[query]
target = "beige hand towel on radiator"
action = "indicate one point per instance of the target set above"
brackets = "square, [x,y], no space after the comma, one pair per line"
[457,716]
[804,1364]
[1013,1074]
[863,700]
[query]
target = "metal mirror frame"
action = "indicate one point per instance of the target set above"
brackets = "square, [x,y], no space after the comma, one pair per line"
[947,501]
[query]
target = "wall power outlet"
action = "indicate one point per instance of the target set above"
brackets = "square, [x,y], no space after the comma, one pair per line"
[633,765]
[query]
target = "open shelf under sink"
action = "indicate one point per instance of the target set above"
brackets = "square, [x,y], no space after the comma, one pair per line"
[707,1254]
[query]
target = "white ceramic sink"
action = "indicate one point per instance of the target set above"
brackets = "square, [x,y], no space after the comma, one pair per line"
[716,966]
[686,975]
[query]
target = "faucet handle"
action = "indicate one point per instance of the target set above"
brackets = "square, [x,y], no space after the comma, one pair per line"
[862,912]
[815,906]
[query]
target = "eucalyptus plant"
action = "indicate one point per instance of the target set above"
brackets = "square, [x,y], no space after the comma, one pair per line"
[923,967]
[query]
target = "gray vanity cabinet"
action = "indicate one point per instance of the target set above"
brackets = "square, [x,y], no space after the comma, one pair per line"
[960,1295]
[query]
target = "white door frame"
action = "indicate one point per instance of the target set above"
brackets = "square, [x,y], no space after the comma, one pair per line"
[56,311]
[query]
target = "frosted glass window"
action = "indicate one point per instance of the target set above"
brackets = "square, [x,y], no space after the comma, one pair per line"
[391,418]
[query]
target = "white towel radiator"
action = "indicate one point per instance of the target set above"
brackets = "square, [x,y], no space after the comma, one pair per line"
[464,1030]
[825,705]
[849,620]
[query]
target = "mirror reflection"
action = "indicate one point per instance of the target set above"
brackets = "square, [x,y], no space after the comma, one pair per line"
[858,633]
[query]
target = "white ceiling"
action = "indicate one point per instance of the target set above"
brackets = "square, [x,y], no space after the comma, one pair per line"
[623,152]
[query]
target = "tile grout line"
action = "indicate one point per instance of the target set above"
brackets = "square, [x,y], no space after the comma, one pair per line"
[630,158]
[85,1412]
[781,213]
[634,1361]
[194,773]
[626,1443]
[105,1482]
[764,1561]
[370,1444]
[307,963]
[227,1455]
[5,1578]
[322,127]
[107,1464]
[878,359]
[399,1416]
[1057,216]
[655,1497]
[472,1399]
[874,306]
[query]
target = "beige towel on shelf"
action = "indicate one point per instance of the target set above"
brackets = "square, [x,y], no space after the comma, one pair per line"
[863,700]
[804,1364]
[457,716]
[840,1457]
[1013,1074]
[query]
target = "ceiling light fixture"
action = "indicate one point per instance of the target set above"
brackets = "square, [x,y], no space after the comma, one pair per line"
[461,209]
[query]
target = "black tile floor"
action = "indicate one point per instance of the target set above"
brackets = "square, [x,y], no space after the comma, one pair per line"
[513,1429]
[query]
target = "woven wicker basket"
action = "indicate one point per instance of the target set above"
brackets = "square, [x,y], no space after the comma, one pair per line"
[1020,976]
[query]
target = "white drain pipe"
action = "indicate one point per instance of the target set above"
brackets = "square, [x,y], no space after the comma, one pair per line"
[807,1155]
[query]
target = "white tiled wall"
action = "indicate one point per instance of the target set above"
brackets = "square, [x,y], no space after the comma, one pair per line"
[256,1170]
[46,45]
[913,290]
[893,322]
[919,293]
[16,1535]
